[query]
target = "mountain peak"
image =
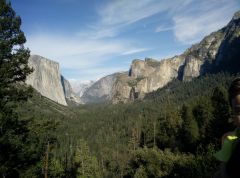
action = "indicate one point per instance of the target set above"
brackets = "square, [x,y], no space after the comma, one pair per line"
[236,15]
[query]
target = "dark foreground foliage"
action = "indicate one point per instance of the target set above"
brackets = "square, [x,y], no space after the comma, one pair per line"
[22,141]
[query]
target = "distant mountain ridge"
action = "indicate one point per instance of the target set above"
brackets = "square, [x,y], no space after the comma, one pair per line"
[101,90]
[79,87]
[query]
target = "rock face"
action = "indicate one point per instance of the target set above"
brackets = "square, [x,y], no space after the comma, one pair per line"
[101,90]
[227,58]
[46,78]
[68,91]
[219,51]
[146,76]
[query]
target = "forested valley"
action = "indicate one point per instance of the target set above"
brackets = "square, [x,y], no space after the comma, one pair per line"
[173,132]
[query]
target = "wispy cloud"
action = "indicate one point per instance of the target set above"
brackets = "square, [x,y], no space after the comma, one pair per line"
[117,15]
[199,18]
[132,51]
[190,28]
[126,12]
[163,28]
[74,53]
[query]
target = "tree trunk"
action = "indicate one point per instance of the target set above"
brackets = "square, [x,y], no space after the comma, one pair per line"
[46,161]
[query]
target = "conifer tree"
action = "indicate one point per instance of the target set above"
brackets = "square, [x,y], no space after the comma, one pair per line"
[13,56]
[13,71]
[190,131]
[87,165]
[221,115]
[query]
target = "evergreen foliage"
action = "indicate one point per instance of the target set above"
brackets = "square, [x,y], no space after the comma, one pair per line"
[221,113]
[22,140]
[13,71]
[190,129]
[86,164]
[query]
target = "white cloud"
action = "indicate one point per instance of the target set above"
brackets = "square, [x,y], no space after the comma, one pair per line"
[75,53]
[195,19]
[162,28]
[132,51]
[203,18]
[126,12]
[116,15]
[52,44]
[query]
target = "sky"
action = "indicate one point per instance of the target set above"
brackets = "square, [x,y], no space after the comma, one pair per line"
[93,38]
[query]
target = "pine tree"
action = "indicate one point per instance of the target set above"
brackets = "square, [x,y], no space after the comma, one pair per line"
[221,115]
[86,164]
[203,113]
[13,71]
[13,56]
[190,129]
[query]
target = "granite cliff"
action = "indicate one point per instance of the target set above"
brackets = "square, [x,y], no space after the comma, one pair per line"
[70,95]
[47,80]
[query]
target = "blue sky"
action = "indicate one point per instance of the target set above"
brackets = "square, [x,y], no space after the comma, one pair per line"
[94,38]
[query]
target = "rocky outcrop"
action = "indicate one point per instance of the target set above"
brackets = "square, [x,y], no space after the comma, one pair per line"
[192,68]
[46,78]
[121,91]
[146,76]
[141,68]
[69,93]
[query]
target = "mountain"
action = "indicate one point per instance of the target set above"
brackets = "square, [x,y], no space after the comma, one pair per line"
[101,90]
[46,78]
[217,52]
